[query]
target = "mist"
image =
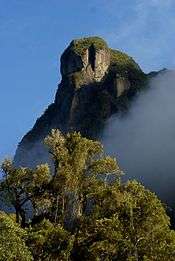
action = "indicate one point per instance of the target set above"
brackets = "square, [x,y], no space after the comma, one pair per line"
[143,140]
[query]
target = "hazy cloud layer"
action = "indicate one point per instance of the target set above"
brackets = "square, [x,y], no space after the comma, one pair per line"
[144,140]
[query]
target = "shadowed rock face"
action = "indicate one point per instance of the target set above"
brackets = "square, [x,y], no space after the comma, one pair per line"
[96,83]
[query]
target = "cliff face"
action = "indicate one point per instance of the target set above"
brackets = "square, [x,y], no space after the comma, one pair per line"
[96,82]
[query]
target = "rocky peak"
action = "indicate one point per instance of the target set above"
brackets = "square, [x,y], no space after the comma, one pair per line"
[96,82]
[87,58]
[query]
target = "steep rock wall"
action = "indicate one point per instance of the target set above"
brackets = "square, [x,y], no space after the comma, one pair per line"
[96,83]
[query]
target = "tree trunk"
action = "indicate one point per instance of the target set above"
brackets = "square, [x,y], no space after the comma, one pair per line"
[23,218]
[17,216]
[73,210]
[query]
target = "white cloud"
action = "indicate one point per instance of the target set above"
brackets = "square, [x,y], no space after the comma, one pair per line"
[147,33]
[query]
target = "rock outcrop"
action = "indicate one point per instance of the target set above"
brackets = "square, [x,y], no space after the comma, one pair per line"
[96,83]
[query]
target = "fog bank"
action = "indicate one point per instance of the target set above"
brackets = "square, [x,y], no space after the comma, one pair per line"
[143,140]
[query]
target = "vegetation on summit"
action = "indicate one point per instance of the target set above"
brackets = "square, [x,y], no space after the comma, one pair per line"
[80,45]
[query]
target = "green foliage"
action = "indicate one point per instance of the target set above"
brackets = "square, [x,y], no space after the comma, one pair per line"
[49,241]
[79,46]
[122,61]
[21,185]
[12,240]
[77,161]
[77,213]
[129,223]
[125,66]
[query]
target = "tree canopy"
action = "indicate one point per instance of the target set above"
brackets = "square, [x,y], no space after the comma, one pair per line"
[79,209]
[12,240]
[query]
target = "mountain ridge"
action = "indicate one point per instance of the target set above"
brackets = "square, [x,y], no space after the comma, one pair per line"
[97,82]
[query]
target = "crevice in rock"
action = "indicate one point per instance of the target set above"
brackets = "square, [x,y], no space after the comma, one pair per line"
[92,53]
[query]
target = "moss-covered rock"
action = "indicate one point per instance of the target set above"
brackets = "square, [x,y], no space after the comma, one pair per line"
[81,45]
[122,62]
[88,56]
[90,59]
[122,66]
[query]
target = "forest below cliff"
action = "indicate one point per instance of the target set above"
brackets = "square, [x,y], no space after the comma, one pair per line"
[80,209]
[66,197]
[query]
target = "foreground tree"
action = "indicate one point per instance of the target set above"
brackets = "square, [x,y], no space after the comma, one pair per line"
[12,240]
[22,186]
[50,241]
[78,162]
[128,223]
[82,211]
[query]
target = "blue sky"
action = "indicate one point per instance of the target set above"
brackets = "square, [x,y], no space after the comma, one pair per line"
[34,33]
